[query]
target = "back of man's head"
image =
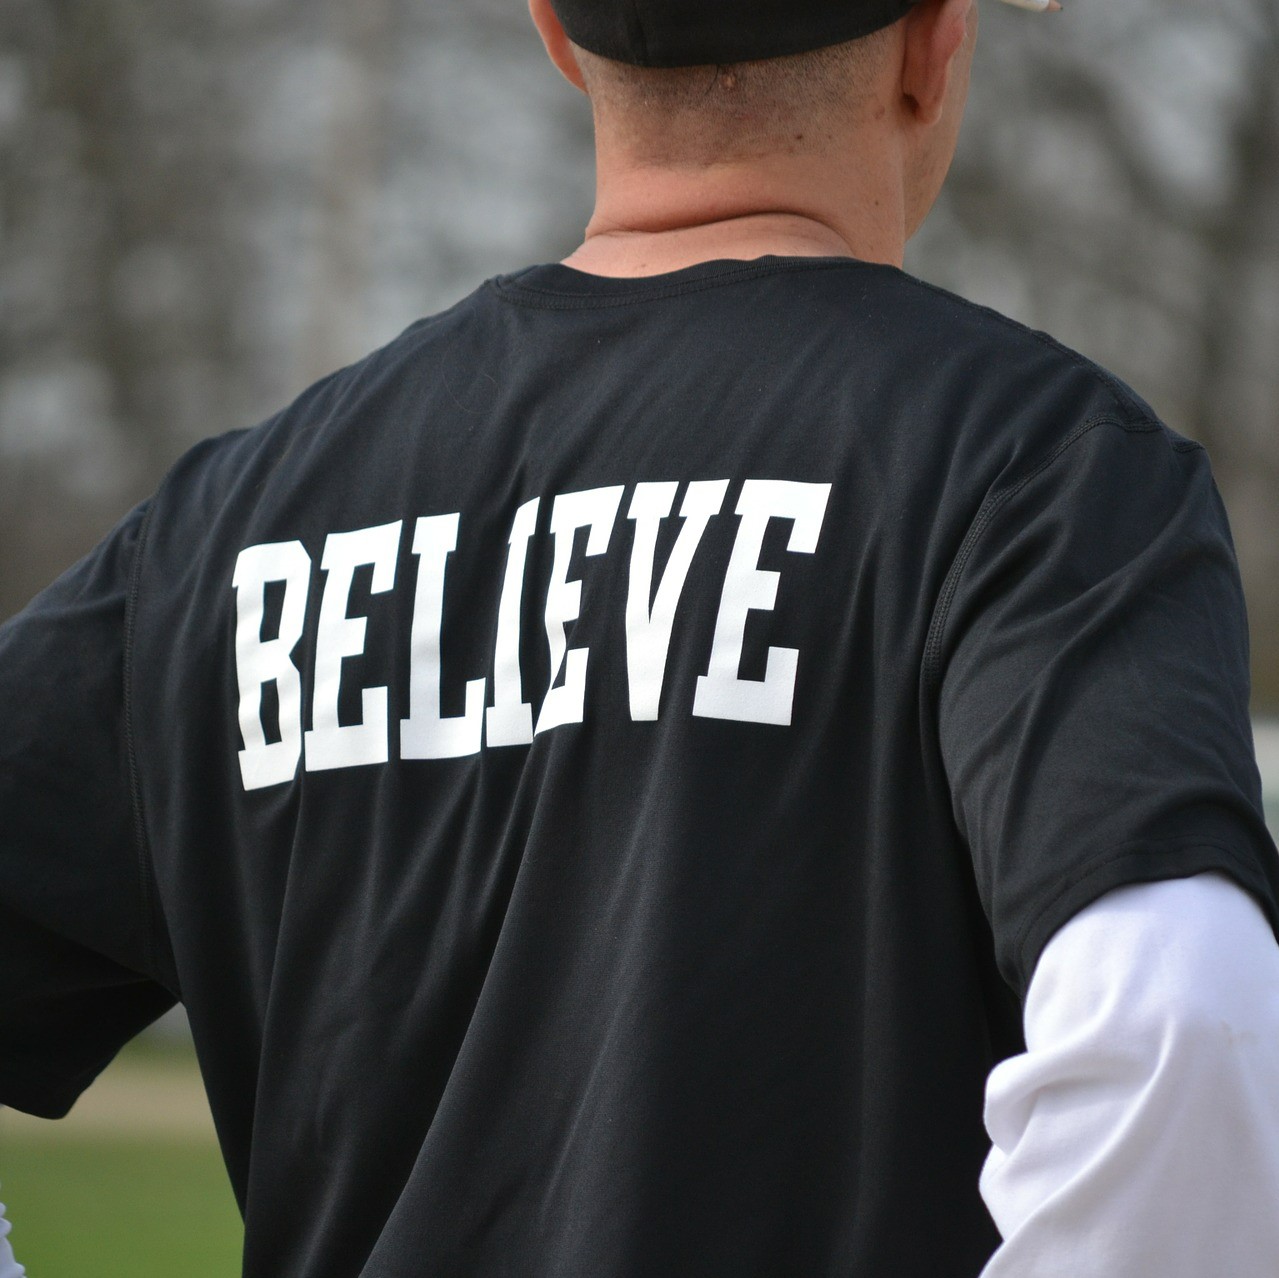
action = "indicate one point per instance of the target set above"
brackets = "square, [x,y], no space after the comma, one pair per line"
[698,80]
[842,114]
[698,114]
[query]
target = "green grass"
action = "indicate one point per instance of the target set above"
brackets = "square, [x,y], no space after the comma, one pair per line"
[120,1208]
[94,1203]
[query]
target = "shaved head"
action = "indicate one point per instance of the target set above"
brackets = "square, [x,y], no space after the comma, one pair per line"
[700,114]
[839,151]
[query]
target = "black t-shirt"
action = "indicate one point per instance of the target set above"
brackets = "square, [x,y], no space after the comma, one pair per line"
[600,771]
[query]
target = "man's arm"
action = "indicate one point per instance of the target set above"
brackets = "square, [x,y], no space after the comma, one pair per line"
[81,966]
[1139,1134]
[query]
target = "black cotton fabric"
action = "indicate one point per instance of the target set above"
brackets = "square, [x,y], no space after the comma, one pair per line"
[600,771]
[676,33]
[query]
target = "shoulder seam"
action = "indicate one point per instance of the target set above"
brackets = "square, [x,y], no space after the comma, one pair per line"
[1107,379]
[986,512]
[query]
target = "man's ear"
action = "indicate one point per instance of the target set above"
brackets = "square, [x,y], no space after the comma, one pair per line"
[934,32]
[557,43]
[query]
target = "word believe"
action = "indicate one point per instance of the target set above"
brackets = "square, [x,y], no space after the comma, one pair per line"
[509,721]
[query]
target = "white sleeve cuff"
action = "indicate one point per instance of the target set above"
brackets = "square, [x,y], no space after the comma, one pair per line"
[1138,1137]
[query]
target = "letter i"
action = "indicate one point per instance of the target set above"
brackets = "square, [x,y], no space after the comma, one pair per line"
[509,720]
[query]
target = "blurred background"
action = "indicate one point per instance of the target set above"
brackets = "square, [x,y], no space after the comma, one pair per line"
[207,204]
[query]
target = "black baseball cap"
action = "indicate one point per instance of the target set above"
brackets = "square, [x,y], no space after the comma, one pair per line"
[686,33]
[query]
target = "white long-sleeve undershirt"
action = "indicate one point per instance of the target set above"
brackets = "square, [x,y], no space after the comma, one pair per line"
[1138,1136]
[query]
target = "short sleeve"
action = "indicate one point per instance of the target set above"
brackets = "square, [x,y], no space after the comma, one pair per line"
[1090,660]
[78,974]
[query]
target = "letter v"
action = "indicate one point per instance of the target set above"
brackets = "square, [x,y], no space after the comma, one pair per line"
[648,628]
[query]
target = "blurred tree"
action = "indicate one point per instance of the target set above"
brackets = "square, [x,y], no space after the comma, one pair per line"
[1118,184]
[119,269]
[349,178]
[205,204]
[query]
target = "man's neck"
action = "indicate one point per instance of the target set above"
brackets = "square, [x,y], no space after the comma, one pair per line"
[635,253]
[653,219]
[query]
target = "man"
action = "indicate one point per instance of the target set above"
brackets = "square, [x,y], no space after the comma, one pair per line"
[601,772]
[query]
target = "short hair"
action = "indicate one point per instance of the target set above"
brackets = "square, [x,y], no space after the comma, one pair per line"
[734,107]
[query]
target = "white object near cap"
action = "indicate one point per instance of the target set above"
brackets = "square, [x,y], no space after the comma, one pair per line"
[1039,6]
